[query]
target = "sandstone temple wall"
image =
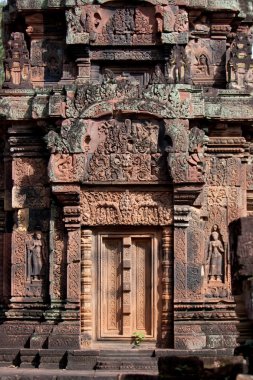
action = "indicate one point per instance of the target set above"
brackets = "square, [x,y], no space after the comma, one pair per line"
[126,185]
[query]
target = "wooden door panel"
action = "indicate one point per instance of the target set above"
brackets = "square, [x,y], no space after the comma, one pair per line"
[142,277]
[126,286]
[111,299]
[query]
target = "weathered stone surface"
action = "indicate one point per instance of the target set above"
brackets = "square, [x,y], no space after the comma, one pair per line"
[127,195]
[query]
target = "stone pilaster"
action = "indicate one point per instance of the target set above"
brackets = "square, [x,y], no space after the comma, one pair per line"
[86,288]
[66,281]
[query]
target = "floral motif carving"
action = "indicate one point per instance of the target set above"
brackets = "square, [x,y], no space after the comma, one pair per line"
[126,208]
[59,244]
[29,171]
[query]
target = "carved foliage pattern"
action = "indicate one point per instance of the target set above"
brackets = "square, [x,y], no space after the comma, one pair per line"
[195,238]
[73,251]
[58,288]
[126,208]
[164,100]
[180,264]
[29,190]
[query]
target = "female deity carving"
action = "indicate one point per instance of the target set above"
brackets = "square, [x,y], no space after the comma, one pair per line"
[215,255]
[35,256]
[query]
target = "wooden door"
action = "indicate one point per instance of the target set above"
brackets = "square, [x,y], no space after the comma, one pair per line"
[127,285]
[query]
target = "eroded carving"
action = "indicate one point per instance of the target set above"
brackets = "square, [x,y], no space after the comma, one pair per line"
[16,63]
[240,63]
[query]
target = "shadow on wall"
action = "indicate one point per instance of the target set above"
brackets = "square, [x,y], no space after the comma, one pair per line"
[241,250]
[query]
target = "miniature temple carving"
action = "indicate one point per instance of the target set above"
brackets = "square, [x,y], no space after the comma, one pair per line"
[17,64]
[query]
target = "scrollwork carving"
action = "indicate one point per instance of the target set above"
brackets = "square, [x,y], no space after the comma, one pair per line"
[126,208]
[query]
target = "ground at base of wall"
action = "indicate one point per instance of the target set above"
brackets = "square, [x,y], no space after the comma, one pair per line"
[112,365]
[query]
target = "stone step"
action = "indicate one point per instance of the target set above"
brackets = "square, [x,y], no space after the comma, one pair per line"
[7,373]
[126,364]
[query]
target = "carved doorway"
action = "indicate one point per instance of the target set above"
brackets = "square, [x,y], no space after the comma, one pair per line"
[128,288]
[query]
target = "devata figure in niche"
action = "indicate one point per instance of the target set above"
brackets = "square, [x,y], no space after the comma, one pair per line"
[215,255]
[35,256]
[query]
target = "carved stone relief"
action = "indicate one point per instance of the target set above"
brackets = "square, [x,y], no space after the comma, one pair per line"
[127,95]
[36,259]
[240,62]
[129,151]
[29,264]
[126,208]
[224,196]
[215,256]
[195,255]
[185,159]
[114,150]
[29,178]
[178,66]
[207,60]
[58,244]
[123,26]
[16,63]
[46,60]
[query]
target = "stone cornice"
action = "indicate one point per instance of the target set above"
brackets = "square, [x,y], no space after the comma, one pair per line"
[183,101]
[211,5]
